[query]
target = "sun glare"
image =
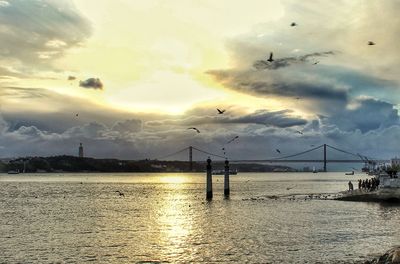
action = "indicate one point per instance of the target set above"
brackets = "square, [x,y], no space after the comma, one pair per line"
[176,179]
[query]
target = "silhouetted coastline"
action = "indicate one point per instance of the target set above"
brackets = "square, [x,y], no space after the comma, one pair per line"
[76,164]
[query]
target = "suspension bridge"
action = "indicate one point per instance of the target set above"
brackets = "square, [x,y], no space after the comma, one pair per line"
[355,157]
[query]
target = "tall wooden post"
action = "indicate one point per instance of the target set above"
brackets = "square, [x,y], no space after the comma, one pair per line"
[324,157]
[226,180]
[209,195]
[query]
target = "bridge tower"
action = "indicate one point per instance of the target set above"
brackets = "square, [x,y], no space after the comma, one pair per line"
[80,151]
[190,158]
[324,157]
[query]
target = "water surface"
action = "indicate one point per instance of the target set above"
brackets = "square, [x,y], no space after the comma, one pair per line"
[161,218]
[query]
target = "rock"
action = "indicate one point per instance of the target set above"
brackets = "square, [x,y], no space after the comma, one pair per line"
[396,256]
[392,256]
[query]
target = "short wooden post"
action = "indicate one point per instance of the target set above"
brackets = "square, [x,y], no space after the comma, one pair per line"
[226,179]
[209,180]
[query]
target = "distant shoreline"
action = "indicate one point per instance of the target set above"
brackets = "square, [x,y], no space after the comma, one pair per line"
[72,164]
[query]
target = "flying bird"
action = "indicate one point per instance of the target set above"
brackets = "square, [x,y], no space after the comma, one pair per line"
[277,150]
[371,43]
[120,193]
[77,114]
[298,131]
[297,98]
[236,137]
[293,24]
[223,149]
[289,188]
[221,111]
[198,131]
[316,62]
[270,59]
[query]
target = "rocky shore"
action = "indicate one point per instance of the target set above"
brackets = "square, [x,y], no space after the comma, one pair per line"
[381,195]
[390,257]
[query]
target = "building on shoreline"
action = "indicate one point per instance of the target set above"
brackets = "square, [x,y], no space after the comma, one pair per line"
[80,153]
[395,161]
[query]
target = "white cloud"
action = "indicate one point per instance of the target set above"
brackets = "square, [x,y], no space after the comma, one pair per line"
[57,26]
[55,43]
[4,3]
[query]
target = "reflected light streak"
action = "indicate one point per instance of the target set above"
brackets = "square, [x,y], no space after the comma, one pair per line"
[175,219]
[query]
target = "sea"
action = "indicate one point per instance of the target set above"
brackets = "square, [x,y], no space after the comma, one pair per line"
[165,218]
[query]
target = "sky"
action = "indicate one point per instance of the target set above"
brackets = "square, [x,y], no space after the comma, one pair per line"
[128,78]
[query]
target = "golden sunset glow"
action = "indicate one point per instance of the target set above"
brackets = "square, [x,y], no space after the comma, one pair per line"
[170,57]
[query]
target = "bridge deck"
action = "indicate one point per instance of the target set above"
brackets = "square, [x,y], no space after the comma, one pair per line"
[305,161]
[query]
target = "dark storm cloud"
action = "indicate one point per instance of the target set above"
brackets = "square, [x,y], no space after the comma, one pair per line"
[91,83]
[288,61]
[368,114]
[308,90]
[281,119]
[62,115]
[90,130]
[253,83]
[348,67]
[28,132]
[256,141]
[313,125]
[34,32]
[276,119]
[360,83]
[100,139]
[128,126]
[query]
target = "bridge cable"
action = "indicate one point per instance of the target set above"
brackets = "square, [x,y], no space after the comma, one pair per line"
[208,153]
[297,154]
[346,152]
[172,154]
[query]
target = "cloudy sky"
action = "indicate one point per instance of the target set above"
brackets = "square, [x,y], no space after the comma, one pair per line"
[127,78]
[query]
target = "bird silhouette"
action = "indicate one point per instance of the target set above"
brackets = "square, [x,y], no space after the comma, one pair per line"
[236,137]
[316,62]
[289,188]
[120,193]
[221,111]
[77,115]
[293,24]
[298,131]
[270,59]
[277,150]
[371,43]
[198,131]
[297,98]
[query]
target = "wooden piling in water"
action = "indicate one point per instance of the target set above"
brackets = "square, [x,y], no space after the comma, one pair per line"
[226,180]
[209,195]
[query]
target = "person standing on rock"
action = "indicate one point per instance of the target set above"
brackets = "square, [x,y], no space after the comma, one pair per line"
[350,186]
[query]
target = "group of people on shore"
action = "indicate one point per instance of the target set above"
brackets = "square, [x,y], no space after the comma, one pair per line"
[366,185]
